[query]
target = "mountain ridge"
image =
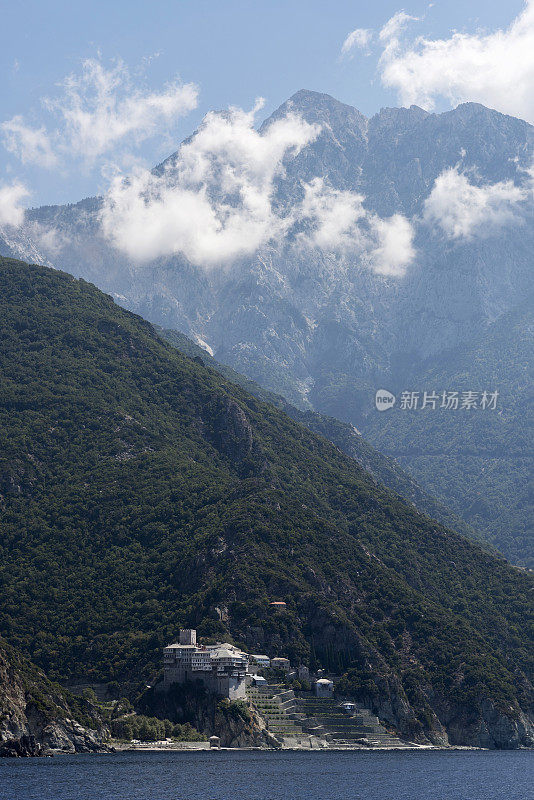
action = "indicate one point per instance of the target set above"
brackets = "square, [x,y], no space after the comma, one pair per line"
[152,494]
[323,330]
[343,435]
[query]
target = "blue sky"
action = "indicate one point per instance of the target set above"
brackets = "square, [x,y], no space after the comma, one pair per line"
[232,51]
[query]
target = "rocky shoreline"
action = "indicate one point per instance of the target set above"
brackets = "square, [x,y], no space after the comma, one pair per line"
[25,748]
[39,717]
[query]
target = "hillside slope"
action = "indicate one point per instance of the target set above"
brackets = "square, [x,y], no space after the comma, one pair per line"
[480,463]
[344,435]
[323,329]
[141,492]
[38,717]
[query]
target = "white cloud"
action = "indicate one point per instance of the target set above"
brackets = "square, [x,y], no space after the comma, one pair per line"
[334,217]
[96,113]
[337,221]
[357,39]
[394,251]
[214,202]
[11,212]
[495,69]
[464,210]
[49,240]
[394,26]
[101,108]
[30,145]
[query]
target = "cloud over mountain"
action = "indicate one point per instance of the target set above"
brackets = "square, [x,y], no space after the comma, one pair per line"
[213,202]
[463,209]
[496,69]
[99,112]
[11,211]
[340,223]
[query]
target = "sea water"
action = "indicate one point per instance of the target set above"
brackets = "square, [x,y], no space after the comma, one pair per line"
[264,775]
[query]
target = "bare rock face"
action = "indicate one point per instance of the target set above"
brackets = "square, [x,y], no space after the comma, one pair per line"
[232,430]
[236,730]
[236,724]
[20,747]
[232,434]
[487,726]
[479,725]
[35,718]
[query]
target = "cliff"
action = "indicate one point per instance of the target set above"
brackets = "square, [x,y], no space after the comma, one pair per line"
[236,723]
[37,717]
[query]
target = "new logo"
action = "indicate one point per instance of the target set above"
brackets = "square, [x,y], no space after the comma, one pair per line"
[384,400]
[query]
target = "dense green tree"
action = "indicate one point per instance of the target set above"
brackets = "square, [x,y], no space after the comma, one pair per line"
[141,492]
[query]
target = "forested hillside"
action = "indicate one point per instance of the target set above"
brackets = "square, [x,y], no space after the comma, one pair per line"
[317,323]
[141,492]
[344,435]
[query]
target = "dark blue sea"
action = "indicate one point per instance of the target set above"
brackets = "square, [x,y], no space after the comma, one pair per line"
[205,775]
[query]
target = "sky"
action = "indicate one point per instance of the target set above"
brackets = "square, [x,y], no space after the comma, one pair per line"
[90,90]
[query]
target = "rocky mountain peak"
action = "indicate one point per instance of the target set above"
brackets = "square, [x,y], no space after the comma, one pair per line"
[317,107]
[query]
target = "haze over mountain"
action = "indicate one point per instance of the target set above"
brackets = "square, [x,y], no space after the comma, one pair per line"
[386,471]
[140,492]
[354,254]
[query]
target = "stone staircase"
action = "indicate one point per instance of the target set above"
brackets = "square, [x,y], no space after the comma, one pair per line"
[276,706]
[321,719]
[342,729]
